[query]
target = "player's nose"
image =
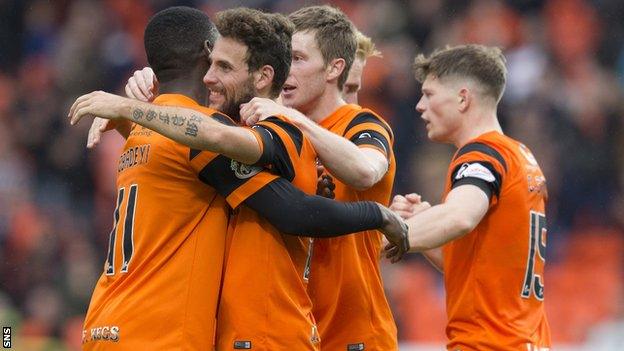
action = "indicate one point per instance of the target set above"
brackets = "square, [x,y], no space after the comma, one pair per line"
[209,77]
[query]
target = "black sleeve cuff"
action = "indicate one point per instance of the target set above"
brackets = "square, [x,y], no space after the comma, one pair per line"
[482,184]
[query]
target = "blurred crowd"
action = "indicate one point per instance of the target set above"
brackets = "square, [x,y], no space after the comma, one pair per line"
[563,100]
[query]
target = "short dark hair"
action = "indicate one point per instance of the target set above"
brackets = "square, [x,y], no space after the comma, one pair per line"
[174,41]
[334,33]
[267,36]
[484,64]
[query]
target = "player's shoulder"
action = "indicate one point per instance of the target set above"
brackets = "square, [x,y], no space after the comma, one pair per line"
[358,115]
[281,127]
[492,145]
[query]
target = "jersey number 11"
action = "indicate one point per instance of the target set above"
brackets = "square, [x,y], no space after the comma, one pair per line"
[128,229]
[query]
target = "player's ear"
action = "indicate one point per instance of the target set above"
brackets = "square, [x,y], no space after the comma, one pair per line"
[335,68]
[263,78]
[464,99]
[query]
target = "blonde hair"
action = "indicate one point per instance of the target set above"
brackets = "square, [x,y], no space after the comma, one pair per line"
[484,64]
[365,47]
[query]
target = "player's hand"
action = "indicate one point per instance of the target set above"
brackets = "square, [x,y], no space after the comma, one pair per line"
[325,185]
[409,205]
[96,104]
[259,109]
[98,127]
[143,85]
[396,232]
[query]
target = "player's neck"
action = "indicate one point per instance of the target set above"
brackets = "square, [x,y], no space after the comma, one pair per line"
[325,105]
[185,87]
[476,126]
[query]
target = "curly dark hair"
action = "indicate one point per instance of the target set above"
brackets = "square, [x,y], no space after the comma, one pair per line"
[174,41]
[267,37]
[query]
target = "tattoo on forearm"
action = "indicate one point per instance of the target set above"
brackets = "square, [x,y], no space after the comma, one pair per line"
[191,129]
[137,114]
[195,118]
[191,125]
[178,120]
[151,114]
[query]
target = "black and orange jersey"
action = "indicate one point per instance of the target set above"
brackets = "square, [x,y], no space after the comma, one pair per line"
[494,275]
[162,275]
[264,304]
[345,284]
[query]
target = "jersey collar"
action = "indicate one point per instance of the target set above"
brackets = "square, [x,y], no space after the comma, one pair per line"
[337,115]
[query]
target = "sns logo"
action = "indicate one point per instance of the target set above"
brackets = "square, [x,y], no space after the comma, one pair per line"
[243,171]
[6,337]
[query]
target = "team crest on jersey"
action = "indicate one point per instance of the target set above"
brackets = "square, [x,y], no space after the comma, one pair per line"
[475,170]
[243,171]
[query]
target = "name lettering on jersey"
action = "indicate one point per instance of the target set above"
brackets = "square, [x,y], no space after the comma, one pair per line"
[243,171]
[134,156]
[105,333]
[475,170]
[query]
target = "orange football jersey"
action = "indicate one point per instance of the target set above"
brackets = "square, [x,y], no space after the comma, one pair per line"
[345,284]
[161,280]
[264,304]
[494,275]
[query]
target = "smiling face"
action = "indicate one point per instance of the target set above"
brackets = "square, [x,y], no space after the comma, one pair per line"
[228,78]
[354,81]
[439,108]
[306,81]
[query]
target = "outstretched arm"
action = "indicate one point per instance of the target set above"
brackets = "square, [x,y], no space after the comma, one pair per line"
[183,125]
[296,213]
[461,212]
[358,167]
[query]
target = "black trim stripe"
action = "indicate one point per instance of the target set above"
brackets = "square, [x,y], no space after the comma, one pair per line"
[268,144]
[482,184]
[482,148]
[223,119]
[275,154]
[374,138]
[193,153]
[219,175]
[295,133]
[367,117]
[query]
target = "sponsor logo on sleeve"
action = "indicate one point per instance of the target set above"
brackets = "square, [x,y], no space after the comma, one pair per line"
[475,170]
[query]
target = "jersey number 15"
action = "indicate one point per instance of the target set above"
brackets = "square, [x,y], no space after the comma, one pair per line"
[533,282]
